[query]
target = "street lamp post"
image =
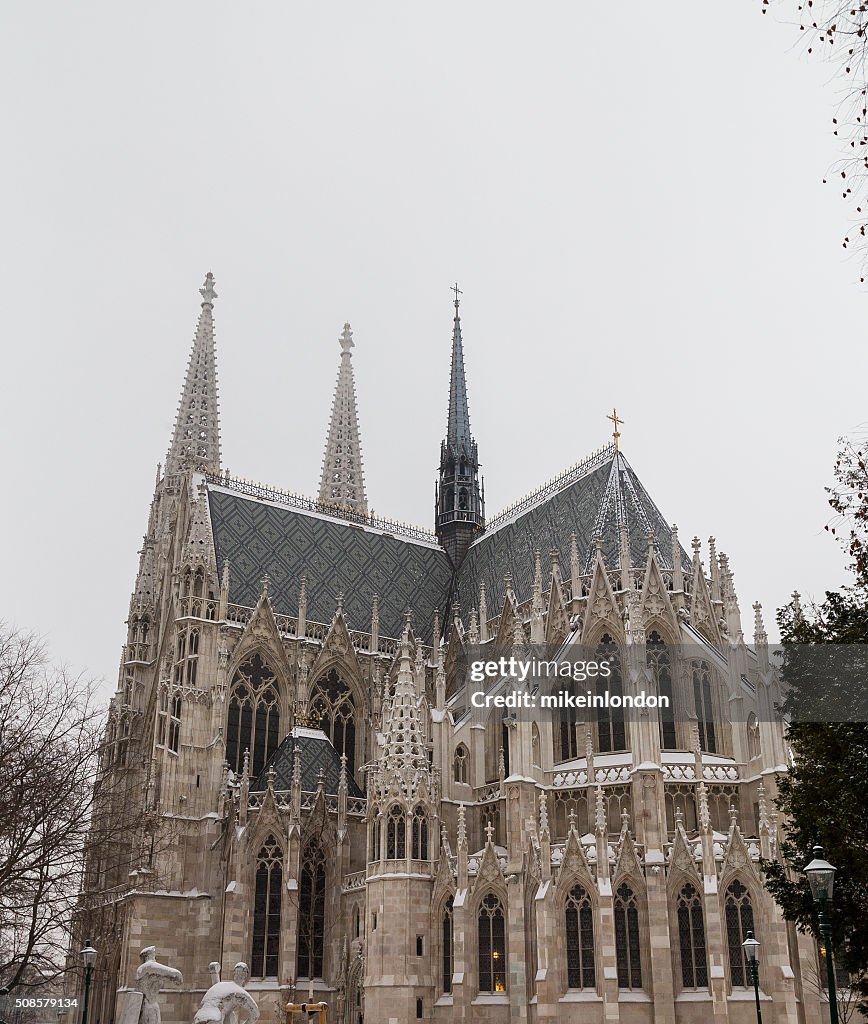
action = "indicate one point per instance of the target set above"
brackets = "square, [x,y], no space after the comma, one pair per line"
[89,955]
[821,878]
[751,951]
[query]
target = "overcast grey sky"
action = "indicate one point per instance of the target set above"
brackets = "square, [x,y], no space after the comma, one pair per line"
[629,195]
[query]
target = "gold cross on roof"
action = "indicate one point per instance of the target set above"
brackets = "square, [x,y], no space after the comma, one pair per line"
[617,422]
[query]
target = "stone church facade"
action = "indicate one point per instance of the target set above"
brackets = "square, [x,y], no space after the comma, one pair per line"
[309,790]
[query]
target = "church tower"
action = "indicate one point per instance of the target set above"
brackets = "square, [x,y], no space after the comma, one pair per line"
[460,503]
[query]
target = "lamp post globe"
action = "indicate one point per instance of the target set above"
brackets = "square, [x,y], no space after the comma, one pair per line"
[821,878]
[751,954]
[88,954]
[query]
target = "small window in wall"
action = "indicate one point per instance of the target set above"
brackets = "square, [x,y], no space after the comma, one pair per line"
[419,1009]
[419,945]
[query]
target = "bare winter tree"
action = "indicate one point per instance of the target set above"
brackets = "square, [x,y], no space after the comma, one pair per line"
[56,839]
[837,31]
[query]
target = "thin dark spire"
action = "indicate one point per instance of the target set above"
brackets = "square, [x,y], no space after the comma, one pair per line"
[458,425]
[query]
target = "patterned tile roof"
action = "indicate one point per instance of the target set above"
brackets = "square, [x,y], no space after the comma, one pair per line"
[259,537]
[315,753]
[595,502]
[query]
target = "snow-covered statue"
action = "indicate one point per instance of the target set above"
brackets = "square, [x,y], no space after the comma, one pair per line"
[224,1000]
[150,978]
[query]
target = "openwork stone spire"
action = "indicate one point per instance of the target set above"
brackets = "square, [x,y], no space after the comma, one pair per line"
[343,480]
[196,440]
[405,737]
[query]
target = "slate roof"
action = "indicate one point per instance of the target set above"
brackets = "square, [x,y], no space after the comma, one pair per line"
[594,501]
[315,752]
[261,537]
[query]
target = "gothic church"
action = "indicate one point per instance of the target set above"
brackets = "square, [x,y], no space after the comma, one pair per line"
[310,792]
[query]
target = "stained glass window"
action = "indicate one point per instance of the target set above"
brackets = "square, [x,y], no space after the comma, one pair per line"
[311,912]
[420,834]
[611,723]
[738,913]
[396,834]
[691,938]
[703,704]
[266,910]
[332,700]
[661,669]
[491,945]
[580,939]
[254,716]
[627,955]
[446,950]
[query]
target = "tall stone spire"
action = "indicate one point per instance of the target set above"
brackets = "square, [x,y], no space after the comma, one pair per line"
[343,479]
[196,440]
[460,504]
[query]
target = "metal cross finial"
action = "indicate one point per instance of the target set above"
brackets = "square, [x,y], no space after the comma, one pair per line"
[457,291]
[616,420]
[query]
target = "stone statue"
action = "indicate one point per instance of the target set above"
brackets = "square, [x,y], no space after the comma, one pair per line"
[150,978]
[224,999]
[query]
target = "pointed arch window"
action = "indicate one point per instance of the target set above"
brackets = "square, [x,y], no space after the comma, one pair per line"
[611,722]
[332,700]
[738,917]
[447,955]
[266,910]
[660,663]
[627,949]
[704,706]
[396,834]
[491,934]
[175,724]
[536,756]
[691,939]
[460,763]
[420,835]
[579,917]
[569,740]
[254,716]
[311,912]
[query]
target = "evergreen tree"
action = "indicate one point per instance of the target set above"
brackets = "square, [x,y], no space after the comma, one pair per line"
[825,795]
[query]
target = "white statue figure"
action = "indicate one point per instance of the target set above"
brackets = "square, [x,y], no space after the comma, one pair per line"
[222,1002]
[150,978]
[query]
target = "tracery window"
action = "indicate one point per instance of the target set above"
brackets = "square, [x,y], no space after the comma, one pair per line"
[311,912]
[396,834]
[186,657]
[611,722]
[446,950]
[703,705]
[569,741]
[579,916]
[460,763]
[175,724]
[163,716]
[332,700]
[254,716]
[420,835]
[691,939]
[657,654]
[627,950]
[738,916]
[491,945]
[266,910]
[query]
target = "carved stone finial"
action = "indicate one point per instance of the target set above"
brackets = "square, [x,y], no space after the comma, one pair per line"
[600,810]
[696,544]
[573,818]
[759,630]
[489,833]
[207,290]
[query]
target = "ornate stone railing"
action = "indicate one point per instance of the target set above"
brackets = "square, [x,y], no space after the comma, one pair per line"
[287,625]
[355,881]
[575,472]
[299,501]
